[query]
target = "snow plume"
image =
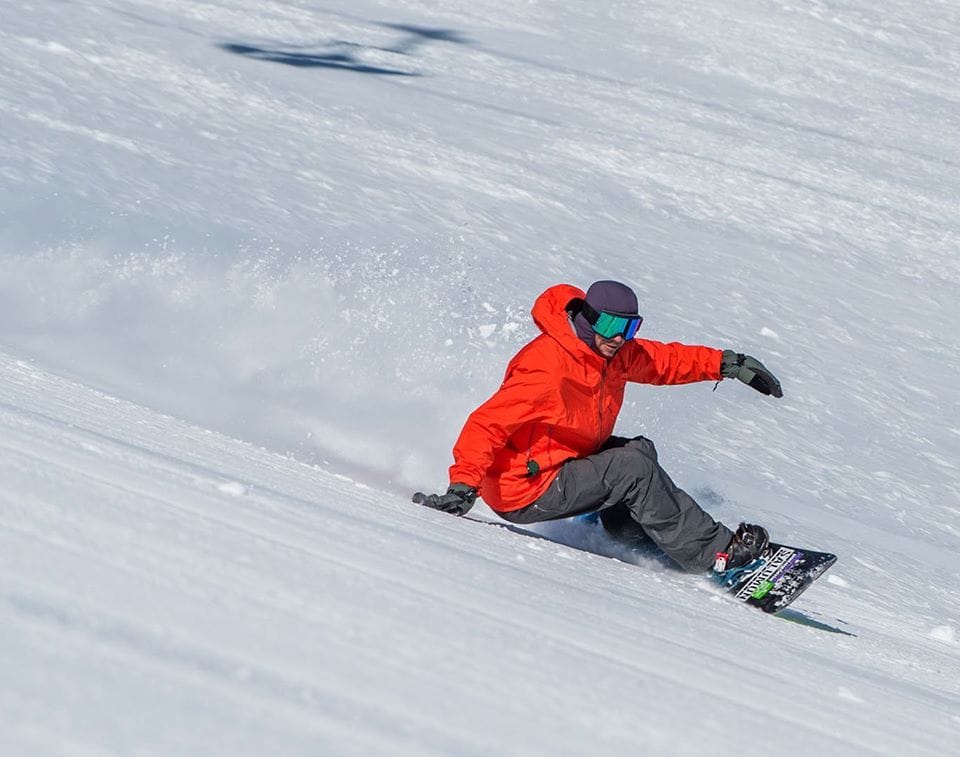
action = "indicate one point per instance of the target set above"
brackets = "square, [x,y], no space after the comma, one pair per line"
[327,355]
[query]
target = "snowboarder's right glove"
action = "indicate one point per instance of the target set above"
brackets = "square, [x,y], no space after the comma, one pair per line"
[750,371]
[457,501]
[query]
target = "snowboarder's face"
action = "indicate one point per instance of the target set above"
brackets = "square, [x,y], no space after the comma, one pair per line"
[608,347]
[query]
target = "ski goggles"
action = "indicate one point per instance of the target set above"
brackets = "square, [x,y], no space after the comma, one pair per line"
[610,325]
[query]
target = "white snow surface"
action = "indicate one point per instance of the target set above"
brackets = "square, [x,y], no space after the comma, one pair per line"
[260,259]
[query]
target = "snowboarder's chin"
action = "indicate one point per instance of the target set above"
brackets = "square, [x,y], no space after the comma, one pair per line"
[608,347]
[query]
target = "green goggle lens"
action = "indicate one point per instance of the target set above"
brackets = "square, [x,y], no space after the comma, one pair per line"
[610,325]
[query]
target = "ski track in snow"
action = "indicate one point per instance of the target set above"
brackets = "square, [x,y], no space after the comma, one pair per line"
[318,229]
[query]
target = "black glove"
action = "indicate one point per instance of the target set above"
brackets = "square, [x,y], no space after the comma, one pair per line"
[457,501]
[750,371]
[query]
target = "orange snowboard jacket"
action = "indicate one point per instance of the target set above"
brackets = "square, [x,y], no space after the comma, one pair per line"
[559,400]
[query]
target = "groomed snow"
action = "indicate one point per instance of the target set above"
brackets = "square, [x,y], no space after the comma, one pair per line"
[259,260]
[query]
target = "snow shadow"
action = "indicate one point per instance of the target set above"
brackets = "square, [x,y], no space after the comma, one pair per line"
[416,36]
[587,535]
[341,55]
[333,60]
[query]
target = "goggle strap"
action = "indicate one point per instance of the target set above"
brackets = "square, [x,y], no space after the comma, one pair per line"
[589,313]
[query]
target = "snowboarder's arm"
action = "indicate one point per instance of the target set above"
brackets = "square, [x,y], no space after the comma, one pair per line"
[650,362]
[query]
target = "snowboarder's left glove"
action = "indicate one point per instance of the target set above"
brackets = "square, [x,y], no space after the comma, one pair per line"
[750,371]
[458,500]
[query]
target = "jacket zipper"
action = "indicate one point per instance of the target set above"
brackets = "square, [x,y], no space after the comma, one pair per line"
[603,382]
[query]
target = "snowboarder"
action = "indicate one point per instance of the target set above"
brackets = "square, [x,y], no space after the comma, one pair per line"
[541,448]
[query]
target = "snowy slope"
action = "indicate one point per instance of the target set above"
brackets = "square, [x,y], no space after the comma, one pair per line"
[318,228]
[170,590]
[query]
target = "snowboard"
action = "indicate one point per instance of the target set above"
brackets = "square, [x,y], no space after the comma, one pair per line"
[776,578]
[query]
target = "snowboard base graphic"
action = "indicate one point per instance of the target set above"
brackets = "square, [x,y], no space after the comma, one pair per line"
[776,578]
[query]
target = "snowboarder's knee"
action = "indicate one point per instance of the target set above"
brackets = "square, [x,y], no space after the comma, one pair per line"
[642,445]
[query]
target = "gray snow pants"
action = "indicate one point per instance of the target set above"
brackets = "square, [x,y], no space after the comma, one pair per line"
[636,499]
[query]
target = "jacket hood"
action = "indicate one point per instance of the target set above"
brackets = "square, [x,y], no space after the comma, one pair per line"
[550,314]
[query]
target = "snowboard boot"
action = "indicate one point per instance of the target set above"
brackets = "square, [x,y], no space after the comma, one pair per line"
[746,546]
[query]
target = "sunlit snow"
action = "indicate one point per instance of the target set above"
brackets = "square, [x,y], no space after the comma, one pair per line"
[259,260]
